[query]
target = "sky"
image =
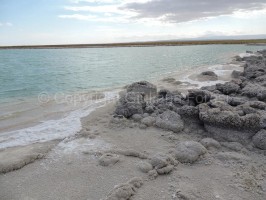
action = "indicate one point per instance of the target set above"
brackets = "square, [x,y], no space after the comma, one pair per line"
[40,22]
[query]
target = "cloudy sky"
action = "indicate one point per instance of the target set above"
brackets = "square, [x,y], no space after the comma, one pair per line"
[27,22]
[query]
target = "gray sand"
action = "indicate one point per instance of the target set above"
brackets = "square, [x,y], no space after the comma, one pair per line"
[73,170]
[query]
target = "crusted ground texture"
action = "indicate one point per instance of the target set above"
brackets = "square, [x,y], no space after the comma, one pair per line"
[233,111]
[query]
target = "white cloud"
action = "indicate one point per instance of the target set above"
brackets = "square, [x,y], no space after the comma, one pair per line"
[78,16]
[109,1]
[94,18]
[162,12]
[177,11]
[98,9]
[165,19]
[243,14]
[110,13]
[93,1]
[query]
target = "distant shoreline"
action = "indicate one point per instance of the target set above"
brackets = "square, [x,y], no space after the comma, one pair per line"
[140,44]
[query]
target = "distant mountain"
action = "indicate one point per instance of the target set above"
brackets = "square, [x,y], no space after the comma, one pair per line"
[204,40]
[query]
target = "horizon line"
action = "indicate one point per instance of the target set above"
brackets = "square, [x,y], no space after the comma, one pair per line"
[141,43]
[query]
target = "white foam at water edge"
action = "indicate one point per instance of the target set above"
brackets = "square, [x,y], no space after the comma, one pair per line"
[199,83]
[52,129]
[242,55]
[73,145]
[217,69]
[220,71]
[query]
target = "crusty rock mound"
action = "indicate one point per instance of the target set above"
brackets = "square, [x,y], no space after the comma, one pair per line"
[227,123]
[209,75]
[228,88]
[163,164]
[148,121]
[130,103]
[170,120]
[197,97]
[144,87]
[236,74]
[189,151]
[108,159]
[125,191]
[234,111]
[226,116]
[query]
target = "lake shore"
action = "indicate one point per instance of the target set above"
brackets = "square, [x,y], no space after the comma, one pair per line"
[141,44]
[118,156]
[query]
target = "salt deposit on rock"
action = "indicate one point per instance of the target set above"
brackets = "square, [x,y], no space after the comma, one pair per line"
[170,120]
[125,191]
[108,159]
[143,87]
[189,151]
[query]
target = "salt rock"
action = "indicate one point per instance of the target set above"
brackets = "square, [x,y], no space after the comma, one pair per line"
[108,159]
[170,120]
[189,151]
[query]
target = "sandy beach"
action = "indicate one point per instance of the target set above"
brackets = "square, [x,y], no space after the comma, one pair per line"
[119,157]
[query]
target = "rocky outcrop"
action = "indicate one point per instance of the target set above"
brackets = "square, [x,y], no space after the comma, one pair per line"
[252,90]
[253,70]
[236,74]
[130,103]
[164,101]
[228,88]
[211,88]
[208,75]
[196,97]
[143,87]
[234,111]
[190,116]
[190,112]
[227,123]
[242,113]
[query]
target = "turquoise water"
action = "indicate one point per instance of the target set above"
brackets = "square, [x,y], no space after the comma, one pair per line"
[26,73]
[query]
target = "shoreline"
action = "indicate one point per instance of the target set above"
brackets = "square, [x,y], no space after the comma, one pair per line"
[184,76]
[114,157]
[261,42]
[71,107]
